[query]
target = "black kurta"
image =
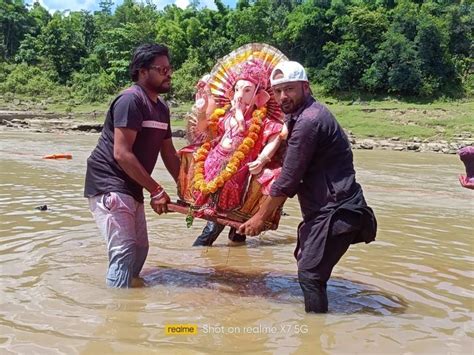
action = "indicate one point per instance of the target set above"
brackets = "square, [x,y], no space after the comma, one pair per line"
[318,166]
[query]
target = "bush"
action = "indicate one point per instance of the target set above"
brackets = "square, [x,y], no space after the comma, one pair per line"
[186,77]
[27,80]
[469,86]
[93,87]
[395,68]
[345,69]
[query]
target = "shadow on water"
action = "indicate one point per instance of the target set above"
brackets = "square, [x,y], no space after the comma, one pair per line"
[345,296]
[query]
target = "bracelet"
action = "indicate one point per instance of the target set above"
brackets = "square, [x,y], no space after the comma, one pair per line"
[158,195]
[156,191]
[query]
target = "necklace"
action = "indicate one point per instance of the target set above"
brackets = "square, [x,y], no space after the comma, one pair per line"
[233,165]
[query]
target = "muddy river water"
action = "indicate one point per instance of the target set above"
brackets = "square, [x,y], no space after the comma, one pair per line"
[409,292]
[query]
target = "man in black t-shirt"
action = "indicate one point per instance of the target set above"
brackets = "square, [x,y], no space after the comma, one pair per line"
[136,130]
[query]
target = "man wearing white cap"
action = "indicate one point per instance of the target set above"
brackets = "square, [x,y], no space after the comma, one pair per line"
[318,166]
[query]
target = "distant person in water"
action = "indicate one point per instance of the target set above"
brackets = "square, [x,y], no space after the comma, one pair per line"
[467,157]
[136,129]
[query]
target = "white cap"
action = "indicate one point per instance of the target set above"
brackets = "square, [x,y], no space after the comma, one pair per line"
[292,71]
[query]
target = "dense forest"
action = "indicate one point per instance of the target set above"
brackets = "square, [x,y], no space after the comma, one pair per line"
[409,48]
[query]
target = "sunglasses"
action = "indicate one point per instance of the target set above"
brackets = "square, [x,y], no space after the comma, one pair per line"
[162,70]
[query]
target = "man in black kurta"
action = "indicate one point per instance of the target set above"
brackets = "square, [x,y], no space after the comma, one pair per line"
[318,167]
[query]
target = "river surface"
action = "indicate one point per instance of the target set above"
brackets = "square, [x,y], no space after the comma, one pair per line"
[410,292]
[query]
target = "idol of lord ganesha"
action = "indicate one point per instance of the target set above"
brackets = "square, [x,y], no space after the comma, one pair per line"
[236,137]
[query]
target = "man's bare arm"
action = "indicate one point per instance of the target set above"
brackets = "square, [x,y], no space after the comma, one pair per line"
[255,225]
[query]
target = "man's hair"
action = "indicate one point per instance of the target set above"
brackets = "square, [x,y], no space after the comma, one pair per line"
[144,56]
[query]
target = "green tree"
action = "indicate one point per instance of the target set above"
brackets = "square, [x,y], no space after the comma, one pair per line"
[436,67]
[367,27]
[249,23]
[15,23]
[62,45]
[408,47]
[186,77]
[170,33]
[396,68]
[345,70]
[29,51]
[40,16]
[405,19]
[306,32]
[133,24]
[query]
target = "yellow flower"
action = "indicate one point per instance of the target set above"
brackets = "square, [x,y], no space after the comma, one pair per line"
[248,142]
[225,175]
[254,128]
[239,155]
[199,177]
[199,165]
[244,149]
[212,186]
[220,181]
[200,157]
[199,170]
[219,111]
[253,136]
[234,161]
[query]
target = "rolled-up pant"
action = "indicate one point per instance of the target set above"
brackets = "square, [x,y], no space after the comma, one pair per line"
[121,221]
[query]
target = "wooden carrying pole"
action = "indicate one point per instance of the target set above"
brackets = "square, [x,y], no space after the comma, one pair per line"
[185,210]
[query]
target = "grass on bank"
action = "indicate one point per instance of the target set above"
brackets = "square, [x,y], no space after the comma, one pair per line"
[435,121]
[364,116]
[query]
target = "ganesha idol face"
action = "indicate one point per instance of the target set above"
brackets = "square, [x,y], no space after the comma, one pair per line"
[244,94]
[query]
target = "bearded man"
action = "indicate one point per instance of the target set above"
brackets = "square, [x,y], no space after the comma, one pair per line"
[318,167]
[136,129]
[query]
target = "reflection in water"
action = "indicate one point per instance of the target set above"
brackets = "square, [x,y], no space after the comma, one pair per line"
[346,296]
[409,292]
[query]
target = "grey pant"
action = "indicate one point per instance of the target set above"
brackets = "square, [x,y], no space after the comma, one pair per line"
[121,221]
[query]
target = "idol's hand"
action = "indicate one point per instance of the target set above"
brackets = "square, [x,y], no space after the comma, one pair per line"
[192,120]
[256,166]
[201,101]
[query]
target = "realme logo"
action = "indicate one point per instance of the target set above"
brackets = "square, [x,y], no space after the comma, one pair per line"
[181,329]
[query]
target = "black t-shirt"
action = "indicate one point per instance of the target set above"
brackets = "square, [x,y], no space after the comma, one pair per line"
[131,109]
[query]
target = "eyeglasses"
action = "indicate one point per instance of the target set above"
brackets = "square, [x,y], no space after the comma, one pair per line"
[162,70]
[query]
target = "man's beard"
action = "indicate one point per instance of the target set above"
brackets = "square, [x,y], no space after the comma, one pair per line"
[161,89]
[290,108]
